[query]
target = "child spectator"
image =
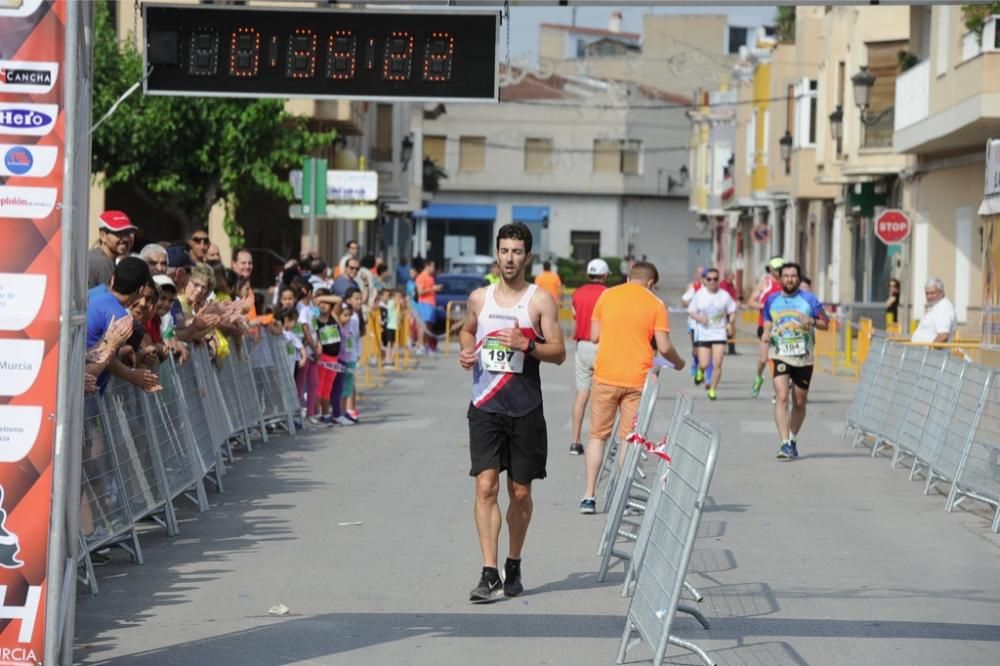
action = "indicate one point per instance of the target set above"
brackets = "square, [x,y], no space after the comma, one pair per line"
[393,304]
[350,352]
[293,341]
[328,334]
[345,313]
[306,378]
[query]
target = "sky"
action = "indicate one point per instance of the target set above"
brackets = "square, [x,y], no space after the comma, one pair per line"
[525,21]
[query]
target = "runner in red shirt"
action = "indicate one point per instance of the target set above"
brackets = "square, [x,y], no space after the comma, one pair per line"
[769,284]
[584,300]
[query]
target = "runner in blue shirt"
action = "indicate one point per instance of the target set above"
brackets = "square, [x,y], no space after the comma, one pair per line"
[791,317]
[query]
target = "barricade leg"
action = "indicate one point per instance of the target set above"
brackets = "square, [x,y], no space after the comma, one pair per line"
[687,645]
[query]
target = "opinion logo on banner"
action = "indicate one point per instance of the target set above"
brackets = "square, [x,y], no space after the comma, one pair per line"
[27,77]
[33,203]
[27,119]
[27,161]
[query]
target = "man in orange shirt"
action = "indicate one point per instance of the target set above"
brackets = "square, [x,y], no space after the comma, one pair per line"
[625,320]
[427,290]
[549,280]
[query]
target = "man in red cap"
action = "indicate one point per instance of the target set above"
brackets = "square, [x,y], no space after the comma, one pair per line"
[116,235]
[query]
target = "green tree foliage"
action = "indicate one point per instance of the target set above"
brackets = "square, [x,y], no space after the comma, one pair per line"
[975,16]
[184,154]
[786,24]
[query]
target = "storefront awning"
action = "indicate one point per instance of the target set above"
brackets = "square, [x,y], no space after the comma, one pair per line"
[530,214]
[444,211]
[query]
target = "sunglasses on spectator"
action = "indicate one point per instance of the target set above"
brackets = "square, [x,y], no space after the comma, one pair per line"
[200,239]
[353,267]
[711,279]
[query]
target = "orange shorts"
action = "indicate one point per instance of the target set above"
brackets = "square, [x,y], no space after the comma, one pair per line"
[605,402]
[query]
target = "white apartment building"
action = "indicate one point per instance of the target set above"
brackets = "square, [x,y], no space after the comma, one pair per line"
[595,168]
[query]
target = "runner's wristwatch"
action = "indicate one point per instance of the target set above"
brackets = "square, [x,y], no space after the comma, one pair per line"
[531,346]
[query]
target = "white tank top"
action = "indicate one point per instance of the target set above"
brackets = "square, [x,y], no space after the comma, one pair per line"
[505,381]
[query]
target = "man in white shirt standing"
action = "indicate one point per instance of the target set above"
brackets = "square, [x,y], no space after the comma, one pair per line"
[939,320]
[713,311]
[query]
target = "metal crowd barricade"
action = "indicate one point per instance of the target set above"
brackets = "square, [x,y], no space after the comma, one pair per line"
[105,517]
[183,468]
[918,406]
[948,435]
[650,391]
[283,382]
[137,455]
[900,393]
[194,401]
[682,407]
[249,396]
[673,529]
[630,473]
[978,475]
[143,450]
[867,408]
[940,409]
[230,393]
[219,422]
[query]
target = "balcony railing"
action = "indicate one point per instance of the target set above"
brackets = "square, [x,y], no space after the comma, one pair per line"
[878,134]
[913,95]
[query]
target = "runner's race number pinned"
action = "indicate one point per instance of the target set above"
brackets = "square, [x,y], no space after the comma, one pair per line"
[494,356]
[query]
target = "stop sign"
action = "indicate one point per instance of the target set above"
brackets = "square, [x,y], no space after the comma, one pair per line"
[892,226]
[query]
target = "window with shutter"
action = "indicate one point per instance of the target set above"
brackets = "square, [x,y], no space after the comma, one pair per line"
[607,156]
[472,153]
[434,149]
[631,157]
[538,155]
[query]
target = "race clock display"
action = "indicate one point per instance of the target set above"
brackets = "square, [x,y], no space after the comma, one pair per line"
[261,52]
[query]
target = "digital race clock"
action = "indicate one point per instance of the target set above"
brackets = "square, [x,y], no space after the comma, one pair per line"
[333,54]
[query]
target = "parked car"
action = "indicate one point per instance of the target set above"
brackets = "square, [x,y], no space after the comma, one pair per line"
[454,287]
[470,264]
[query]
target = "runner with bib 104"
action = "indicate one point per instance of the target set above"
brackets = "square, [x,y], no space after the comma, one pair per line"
[791,317]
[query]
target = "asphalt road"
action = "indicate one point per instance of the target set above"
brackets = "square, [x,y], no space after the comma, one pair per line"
[832,559]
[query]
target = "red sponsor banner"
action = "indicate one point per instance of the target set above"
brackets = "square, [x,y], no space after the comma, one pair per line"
[32,41]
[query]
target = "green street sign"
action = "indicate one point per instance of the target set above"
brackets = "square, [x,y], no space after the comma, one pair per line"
[314,187]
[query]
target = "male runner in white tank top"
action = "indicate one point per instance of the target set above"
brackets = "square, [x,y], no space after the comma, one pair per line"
[510,327]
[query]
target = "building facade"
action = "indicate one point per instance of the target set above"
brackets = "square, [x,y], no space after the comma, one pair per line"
[596,168]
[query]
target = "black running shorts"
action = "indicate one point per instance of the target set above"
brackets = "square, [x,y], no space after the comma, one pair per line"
[517,444]
[800,375]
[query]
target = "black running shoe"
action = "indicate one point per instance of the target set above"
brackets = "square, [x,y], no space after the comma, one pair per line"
[490,587]
[512,579]
[576,449]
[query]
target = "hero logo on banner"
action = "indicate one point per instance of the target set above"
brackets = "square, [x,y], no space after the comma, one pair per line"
[33,203]
[28,119]
[27,161]
[17,76]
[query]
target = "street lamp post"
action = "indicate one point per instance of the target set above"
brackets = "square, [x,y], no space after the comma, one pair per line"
[837,128]
[785,143]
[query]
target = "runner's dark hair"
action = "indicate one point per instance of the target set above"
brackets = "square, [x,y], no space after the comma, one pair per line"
[515,231]
[792,264]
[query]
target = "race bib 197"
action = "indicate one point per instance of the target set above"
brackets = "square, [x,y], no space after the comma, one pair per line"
[497,357]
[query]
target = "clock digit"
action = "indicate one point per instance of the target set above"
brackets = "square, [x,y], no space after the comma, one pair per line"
[301,54]
[244,53]
[203,54]
[439,55]
[341,55]
[397,60]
